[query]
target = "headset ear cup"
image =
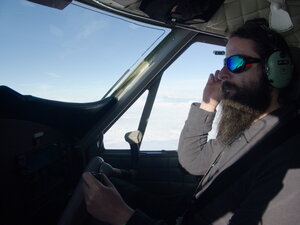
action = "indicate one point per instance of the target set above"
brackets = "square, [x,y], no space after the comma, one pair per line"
[279,69]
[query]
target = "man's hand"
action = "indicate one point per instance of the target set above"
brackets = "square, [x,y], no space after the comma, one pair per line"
[103,201]
[212,93]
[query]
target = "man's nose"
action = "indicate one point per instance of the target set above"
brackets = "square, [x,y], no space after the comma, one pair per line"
[224,74]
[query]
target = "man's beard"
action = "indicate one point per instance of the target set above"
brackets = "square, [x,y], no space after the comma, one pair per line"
[241,106]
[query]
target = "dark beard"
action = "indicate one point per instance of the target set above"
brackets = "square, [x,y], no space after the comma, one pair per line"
[240,109]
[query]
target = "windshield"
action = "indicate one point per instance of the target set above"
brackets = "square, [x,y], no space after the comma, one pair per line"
[73,55]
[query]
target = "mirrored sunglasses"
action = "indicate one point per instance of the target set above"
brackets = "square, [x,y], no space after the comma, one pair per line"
[239,63]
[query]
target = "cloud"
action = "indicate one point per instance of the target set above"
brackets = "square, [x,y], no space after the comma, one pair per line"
[55,31]
[164,126]
[90,28]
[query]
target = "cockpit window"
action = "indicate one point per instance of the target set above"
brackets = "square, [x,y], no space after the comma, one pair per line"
[73,55]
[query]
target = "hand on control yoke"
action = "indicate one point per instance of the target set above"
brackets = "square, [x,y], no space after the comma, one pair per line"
[103,201]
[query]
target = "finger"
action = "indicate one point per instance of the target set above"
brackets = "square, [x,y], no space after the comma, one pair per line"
[106,181]
[216,77]
[90,180]
[84,183]
[86,191]
[210,78]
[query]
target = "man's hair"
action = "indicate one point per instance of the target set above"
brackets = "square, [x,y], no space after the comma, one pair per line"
[266,42]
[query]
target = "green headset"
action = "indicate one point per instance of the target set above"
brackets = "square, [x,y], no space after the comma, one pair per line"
[278,65]
[279,69]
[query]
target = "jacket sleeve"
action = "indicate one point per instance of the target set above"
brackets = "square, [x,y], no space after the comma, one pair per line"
[195,152]
[139,218]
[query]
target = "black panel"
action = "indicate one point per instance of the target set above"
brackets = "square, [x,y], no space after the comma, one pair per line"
[40,167]
[72,118]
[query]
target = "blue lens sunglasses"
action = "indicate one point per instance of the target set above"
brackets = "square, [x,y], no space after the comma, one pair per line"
[239,63]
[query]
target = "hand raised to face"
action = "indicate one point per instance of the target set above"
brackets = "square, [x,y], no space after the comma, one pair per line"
[211,94]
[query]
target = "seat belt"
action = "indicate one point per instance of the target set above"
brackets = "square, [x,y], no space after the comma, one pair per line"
[134,138]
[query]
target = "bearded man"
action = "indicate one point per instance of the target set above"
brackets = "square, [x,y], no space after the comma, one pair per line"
[255,110]
[251,170]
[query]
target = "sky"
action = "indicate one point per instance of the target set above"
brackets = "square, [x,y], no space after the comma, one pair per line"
[76,55]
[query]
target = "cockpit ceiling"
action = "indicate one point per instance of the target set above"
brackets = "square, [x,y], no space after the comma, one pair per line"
[230,15]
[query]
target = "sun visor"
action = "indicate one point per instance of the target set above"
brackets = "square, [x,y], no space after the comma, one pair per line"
[57,4]
[180,11]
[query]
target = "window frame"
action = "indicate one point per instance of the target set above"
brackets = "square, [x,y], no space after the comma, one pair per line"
[153,86]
